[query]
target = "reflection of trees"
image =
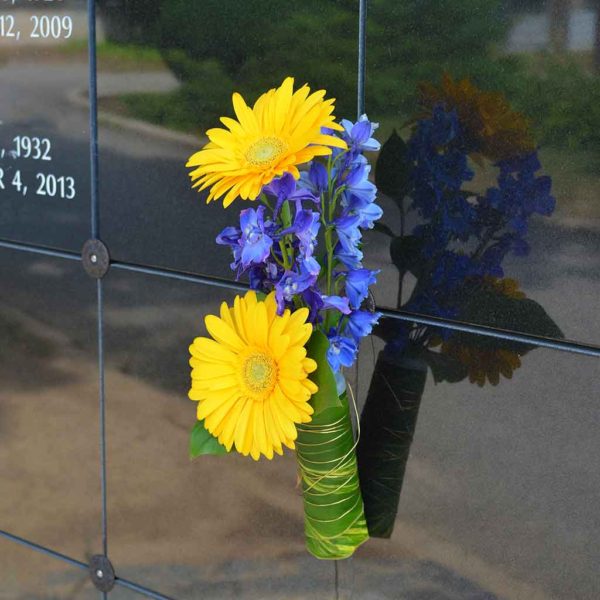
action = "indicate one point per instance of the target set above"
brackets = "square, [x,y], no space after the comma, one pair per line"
[596,4]
[129,21]
[228,44]
[559,12]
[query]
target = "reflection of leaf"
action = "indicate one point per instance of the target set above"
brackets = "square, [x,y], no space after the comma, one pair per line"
[327,396]
[405,253]
[383,228]
[445,367]
[203,442]
[490,307]
[392,170]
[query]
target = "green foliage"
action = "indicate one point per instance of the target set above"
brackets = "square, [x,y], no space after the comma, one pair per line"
[257,44]
[327,396]
[250,46]
[564,104]
[417,40]
[130,21]
[202,442]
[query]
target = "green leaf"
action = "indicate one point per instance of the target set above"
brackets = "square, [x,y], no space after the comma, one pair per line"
[491,307]
[405,252]
[392,170]
[444,367]
[327,396]
[203,442]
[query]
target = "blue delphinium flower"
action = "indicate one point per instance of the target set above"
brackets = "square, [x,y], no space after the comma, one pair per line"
[285,188]
[341,352]
[348,230]
[350,258]
[278,252]
[315,179]
[357,285]
[255,241]
[306,229]
[230,236]
[359,135]
[292,284]
[338,302]
[360,323]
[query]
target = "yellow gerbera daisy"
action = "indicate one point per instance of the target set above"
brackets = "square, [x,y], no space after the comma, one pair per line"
[282,130]
[484,363]
[251,380]
[492,128]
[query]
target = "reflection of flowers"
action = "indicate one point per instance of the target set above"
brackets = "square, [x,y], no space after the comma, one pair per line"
[482,363]
[485,362]
[455,254]
[463,236]
[251,379]
[491,127]
[508,287]
[282,130]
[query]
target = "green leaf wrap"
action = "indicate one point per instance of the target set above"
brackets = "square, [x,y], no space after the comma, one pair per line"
[387,427]
[334,520]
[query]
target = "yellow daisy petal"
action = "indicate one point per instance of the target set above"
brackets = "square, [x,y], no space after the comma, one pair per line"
[281,131]
[250,382]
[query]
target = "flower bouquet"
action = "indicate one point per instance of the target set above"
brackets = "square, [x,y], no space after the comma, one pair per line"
[270,374]
[450,266]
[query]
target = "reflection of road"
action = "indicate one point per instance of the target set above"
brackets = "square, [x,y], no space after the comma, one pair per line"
[531,32]
[499,479]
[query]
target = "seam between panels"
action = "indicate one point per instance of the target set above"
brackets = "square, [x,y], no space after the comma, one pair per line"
[95,234]
[362,53]
[126,583]
[588,349]
[43,550]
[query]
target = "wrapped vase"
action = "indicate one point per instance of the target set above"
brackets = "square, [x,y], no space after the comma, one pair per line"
[334,519]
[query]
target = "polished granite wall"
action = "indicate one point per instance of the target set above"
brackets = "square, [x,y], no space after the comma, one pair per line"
[501,486]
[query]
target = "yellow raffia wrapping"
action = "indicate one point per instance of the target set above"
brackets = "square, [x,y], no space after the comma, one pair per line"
[334,520]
